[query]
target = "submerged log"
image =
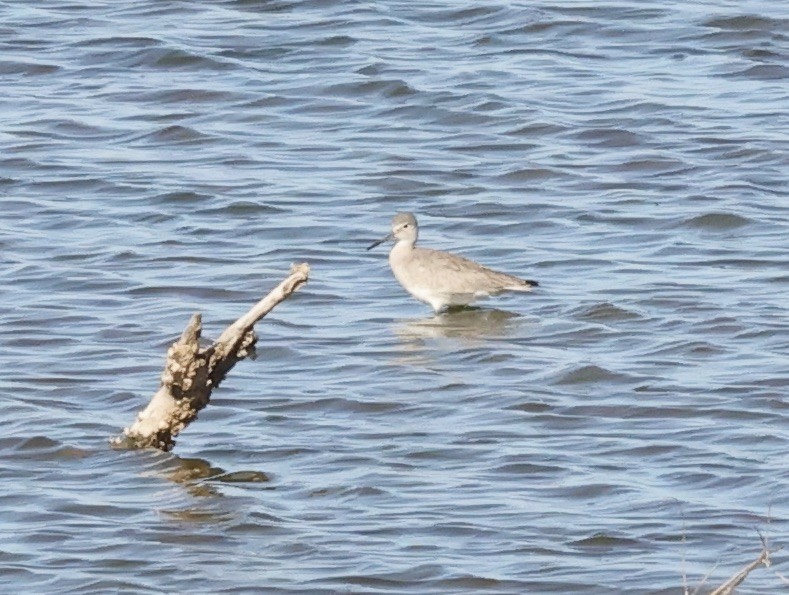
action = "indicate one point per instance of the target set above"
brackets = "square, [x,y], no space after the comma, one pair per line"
[192,372]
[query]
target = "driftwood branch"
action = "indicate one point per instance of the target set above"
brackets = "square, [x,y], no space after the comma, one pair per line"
[764,558]
[192,372]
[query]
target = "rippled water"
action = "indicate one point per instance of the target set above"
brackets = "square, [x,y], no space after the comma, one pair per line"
[624,425]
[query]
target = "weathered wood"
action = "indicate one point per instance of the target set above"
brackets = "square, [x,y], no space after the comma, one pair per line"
[191,373]
[730,585]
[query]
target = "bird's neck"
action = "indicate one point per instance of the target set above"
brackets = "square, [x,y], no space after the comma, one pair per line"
[401,249]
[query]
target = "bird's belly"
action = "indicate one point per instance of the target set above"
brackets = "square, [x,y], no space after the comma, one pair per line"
[413,286]
[436,298]
[423,294]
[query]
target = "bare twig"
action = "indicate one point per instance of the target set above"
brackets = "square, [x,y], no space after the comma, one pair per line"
[764,558]
[704,580]
[191,373]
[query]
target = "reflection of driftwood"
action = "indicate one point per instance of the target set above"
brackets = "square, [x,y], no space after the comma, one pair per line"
[191,373]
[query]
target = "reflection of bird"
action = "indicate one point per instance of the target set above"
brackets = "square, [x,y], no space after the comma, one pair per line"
[469,325]
[438,278]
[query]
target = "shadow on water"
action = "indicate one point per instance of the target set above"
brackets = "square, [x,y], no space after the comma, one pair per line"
[202,479]
[202,482]
[193,472]
[465,323]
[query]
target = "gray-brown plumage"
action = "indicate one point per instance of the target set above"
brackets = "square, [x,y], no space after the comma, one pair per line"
[438,278]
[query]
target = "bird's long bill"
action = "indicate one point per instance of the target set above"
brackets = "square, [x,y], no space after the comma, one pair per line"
[379,242]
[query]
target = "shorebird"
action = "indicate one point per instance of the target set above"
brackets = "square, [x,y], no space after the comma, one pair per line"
[438,278]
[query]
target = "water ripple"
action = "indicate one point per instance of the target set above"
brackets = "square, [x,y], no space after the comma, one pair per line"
[162,158]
